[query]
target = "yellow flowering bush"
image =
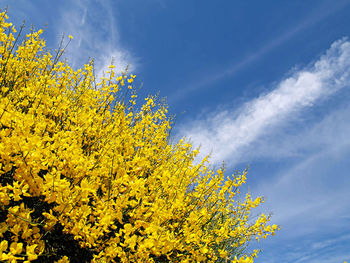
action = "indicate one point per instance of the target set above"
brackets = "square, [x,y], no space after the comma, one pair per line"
[87,176]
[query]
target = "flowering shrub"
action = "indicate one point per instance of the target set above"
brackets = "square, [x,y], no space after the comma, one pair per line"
[85,176]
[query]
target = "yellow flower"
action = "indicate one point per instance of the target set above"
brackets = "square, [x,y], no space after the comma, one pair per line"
[63,260]
[3,245]
[30,252]
[16,248]
[104,169]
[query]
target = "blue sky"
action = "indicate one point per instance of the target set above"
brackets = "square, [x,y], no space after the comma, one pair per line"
[258,83]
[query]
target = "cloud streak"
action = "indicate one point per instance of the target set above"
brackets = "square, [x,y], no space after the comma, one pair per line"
[322,12]
[95,36]
[228,132]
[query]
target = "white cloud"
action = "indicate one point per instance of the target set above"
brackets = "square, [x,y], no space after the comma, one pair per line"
[308,195]
[96,36]
[307,250]
[227,134]
[326,243]
[321,12]
[121,60]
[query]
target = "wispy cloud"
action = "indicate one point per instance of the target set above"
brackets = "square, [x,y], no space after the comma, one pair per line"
[320,13]
[306,195]
[228,133]
[307,250]
[96,36]
[309,197]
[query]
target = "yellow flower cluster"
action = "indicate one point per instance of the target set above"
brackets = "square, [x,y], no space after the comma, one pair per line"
[86,175]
